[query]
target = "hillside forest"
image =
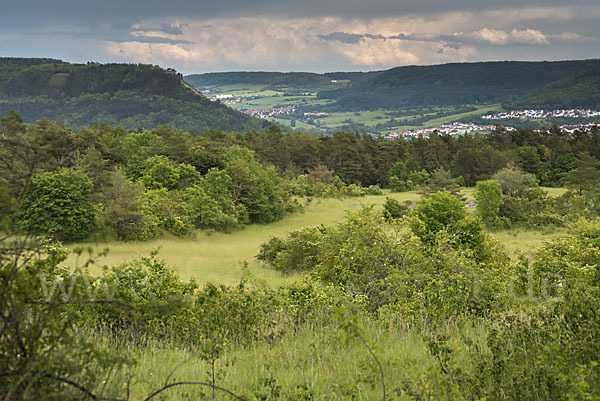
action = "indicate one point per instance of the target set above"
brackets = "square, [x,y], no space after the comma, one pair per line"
[129,95]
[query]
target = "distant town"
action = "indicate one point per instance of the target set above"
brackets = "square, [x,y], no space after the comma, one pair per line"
[271,112]
[538,114]
[455,128]
[458,128]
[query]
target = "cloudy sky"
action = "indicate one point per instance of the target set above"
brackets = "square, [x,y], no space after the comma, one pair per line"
[196,36]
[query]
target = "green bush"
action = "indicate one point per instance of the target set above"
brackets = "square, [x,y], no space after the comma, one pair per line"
[299,251]
[488,195]
[57,204]
[392,209]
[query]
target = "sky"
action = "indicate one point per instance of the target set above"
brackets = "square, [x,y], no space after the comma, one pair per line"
[197,36]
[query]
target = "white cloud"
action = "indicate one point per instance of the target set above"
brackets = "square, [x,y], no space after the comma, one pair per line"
[499,37]
[318,43]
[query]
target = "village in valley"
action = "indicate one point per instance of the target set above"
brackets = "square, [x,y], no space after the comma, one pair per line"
[298,115]
[539,114]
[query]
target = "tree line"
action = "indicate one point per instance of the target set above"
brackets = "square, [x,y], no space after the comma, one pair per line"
[135,185]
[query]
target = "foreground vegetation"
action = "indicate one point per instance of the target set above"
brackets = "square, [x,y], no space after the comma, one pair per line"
[407,297]
[425,306]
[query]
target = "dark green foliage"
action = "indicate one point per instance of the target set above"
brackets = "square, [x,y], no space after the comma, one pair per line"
[550,350]
[44,354]
[121,212]
[210,204]
[586,175]
[57,205]
[581,90]
[393,271]
[443,214]
[464,83]
[129,95]
[299,251]
[254,187]
[436,214]
[294,81]
[159,172]
[394,209]
[514,182]
[8,206]
[562,84]
[441,180]
[524,203]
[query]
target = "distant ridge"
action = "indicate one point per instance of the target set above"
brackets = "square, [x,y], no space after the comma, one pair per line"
[582,91]
[130,95]
[435,85]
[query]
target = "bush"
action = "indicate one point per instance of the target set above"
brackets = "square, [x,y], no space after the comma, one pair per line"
[392,209]
[57,204]
[488,195]
[299,251]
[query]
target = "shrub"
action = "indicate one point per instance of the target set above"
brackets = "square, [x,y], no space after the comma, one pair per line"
[299,251]
[57,204]
[488,195]
[392,209]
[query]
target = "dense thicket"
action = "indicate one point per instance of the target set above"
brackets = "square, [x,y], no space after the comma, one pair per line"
[490,327]
[108,182]
[549,154]
[130,95]
[147,182]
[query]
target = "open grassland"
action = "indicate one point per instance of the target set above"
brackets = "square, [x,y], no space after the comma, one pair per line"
[456,117]
[308,359]
[525,242]
[217,257]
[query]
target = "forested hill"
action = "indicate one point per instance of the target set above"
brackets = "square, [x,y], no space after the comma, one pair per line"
[274,80]
[579,91]
[463,83]
[130,95]
[414,86]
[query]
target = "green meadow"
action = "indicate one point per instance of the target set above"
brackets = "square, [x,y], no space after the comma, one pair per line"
[309,359]
[218,257]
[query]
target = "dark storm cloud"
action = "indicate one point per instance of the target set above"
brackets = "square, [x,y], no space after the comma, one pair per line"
[342,37]
[165,28]
[132,10]
[317,35]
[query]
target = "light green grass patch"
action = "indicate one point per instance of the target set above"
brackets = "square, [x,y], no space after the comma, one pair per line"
[517,241]
[216,257]
[310,357]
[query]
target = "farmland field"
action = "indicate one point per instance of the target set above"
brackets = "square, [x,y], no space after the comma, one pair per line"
[256,97]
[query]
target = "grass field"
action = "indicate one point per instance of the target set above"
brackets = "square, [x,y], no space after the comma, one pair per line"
[310,358]
[216,257]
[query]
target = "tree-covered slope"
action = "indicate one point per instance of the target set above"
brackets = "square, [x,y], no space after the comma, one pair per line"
[273,80]
[579,91]
[130,95]
[462,83]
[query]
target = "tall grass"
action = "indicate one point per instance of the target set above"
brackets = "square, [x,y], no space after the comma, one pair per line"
[216,257]
[325,360]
